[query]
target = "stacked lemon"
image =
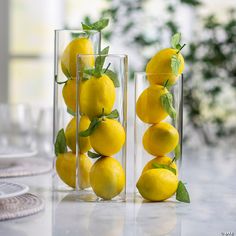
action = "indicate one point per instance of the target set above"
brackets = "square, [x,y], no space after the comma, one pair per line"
[98,128]
[159,178]
[66,160]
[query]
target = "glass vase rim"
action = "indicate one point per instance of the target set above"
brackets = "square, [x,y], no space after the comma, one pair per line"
[105,55]
[143,73]
[76,30]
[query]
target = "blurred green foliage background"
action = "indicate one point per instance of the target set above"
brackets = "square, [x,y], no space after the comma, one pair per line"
[210,55]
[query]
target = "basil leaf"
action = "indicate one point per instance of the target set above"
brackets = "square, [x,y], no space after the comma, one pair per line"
[163,166]
[60,144]
[167,104]
[175,64]
[175,41]
[100,25]
[182,193]
[113,76]
[113,115]
[100,61]
[93,154]
[71,112]
[177,152]
[93,125]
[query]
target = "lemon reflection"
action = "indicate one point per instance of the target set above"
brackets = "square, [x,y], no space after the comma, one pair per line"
[107,219]
[71,217]
[155,218]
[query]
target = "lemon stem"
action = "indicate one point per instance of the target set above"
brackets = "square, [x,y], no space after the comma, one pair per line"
[107,67]
[166,83]
[103,114]
[61,82]
[172,161]
[181,48]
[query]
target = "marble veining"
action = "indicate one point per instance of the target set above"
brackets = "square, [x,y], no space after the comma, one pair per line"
[210,181]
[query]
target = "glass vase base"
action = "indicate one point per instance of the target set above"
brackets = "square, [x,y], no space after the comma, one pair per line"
[87,195]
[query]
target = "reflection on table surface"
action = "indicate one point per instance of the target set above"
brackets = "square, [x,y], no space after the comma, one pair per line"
[210,180]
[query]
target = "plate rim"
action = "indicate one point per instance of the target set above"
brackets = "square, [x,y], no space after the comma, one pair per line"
[5,157]
[25,189]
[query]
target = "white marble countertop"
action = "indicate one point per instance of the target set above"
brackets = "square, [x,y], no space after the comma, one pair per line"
[211,181]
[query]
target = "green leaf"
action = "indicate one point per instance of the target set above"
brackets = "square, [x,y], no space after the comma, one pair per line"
[100,25]
[71,112]
[93,125]
[163,166]
[113,115]
[87,73]
[177,152]
[113,76]
[193,3]
[175,64]
[60,144]
[93,154]
[167,104]
[182,193]
[175,41]
[86,26]
[100,61]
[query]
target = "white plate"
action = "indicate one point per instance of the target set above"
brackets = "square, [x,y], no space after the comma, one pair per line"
[8,189]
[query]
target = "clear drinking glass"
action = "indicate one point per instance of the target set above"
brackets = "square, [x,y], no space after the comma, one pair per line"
[144,121]
[102,97]
[16,132]
[67,45]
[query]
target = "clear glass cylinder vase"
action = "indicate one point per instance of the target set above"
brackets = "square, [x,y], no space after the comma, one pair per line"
[67,45]
[101,143]
[158,124]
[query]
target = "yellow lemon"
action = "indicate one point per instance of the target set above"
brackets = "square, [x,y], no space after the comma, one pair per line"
[159,67]
[96,95]
[160,139]
[108,138]
[157,184]
[107,177]
[75,47]
[148,107]
[69,94]
[70,133]
[160,160]
[85,165]
[66,169]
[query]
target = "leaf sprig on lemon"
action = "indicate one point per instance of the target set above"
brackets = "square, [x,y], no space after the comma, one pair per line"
[159,181]
[167,64]
[107,136]
[99,69]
